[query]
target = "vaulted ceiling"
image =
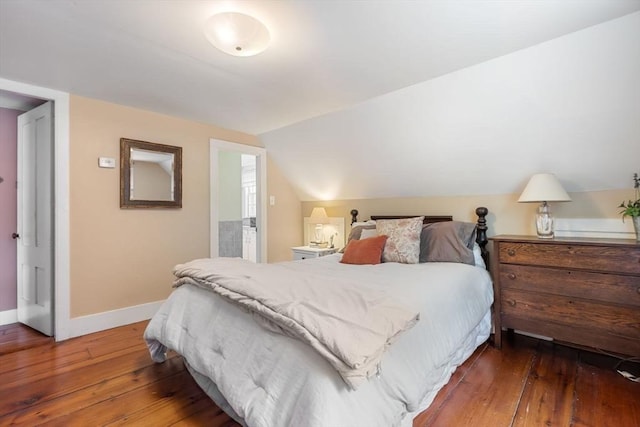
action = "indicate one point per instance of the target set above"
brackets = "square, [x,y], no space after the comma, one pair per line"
[324,55]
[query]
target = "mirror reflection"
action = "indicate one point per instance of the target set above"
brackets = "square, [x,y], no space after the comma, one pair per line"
[151,174]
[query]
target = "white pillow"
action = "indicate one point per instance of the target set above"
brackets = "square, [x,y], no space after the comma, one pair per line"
[477,256]
[366,233]
[362,223]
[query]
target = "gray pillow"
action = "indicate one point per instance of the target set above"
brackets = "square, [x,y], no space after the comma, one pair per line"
[449,241]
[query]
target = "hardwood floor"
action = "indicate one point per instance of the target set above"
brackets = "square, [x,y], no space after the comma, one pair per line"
[107,378]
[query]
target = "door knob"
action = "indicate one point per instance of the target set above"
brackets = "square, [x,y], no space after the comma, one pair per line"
[15,236]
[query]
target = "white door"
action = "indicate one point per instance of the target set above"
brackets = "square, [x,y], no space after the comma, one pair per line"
[35,217]
[231,221]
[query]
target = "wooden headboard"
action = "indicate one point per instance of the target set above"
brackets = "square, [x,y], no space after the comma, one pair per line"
[481,233]
[427,219]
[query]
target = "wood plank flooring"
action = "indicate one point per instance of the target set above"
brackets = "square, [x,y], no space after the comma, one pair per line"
[107,378]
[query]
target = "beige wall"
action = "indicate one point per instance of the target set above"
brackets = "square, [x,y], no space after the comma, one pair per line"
[285,217]
[506,215]
[122,258]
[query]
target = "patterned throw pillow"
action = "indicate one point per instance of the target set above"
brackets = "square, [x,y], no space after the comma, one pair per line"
[403,243]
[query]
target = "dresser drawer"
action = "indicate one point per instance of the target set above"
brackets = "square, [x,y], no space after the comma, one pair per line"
[541,308]
[586,257]
[610,288]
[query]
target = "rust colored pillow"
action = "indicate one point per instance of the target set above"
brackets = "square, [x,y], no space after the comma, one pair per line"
[365,251]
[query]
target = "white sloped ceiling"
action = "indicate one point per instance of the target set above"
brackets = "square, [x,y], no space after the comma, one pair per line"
[324,55]
[570,106]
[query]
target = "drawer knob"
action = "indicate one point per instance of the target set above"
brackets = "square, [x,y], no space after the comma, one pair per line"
[512,276]
[511,302]
[511,252]
[638,290]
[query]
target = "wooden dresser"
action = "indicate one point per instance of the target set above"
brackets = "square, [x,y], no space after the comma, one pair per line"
[575,290]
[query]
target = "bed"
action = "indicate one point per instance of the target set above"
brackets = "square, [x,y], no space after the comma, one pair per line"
[263,376]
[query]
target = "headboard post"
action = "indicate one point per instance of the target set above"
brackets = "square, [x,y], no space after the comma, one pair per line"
[481,233]
[354,215]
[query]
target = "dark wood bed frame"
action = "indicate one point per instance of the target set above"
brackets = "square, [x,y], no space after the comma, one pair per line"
[481,233]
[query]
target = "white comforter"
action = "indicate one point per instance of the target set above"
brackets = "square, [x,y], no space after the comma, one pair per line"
[345,321]
[269,379]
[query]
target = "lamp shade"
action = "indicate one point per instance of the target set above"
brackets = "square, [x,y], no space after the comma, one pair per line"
[237,34]
[544,187]
[319,216]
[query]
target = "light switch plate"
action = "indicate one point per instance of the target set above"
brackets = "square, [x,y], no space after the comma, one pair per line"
[107,162]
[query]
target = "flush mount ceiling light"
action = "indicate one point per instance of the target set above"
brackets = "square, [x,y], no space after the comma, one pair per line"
[237,34]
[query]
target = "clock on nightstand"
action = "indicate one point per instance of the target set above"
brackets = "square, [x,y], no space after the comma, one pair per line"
[306,252]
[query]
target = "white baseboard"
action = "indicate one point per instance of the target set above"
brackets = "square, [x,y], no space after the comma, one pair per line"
[111,319]
[8,316]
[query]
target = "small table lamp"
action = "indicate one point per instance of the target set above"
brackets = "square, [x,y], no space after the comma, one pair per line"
[319,218]
[544,187]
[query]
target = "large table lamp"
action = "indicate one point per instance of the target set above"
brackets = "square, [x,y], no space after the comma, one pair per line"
[544,188]
[319,217]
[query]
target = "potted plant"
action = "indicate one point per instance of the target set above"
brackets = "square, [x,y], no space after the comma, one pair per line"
[632,207]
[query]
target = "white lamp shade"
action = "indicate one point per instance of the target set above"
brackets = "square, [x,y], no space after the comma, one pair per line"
[237,34]
[319,216]
[544,187]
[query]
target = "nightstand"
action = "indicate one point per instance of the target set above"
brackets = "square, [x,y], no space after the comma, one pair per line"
[576,290]
[306,252]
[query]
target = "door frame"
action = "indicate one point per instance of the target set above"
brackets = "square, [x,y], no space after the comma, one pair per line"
[215,146]
[61,222]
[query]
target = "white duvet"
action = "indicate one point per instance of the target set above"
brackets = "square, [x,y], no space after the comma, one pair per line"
[347,322]
[268,379]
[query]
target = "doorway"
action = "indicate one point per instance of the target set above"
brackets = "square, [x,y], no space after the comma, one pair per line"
[13,109]
[238,201]
[61,223]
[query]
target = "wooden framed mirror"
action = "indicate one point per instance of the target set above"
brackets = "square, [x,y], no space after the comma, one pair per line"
[150,175]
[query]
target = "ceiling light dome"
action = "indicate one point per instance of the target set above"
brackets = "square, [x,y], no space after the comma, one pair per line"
[237,34]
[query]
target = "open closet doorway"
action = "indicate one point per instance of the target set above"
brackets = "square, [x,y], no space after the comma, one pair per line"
[238,201]
[26,248]
[60,206]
